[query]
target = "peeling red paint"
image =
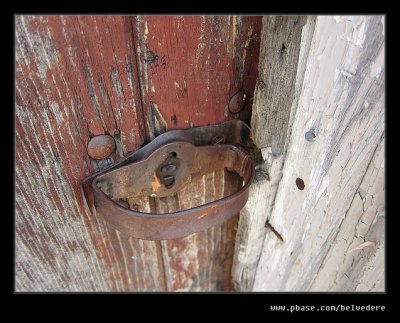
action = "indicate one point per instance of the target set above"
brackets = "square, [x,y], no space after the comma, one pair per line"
[132,78]
[193,71]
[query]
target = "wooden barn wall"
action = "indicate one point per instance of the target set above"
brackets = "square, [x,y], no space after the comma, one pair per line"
[315,217]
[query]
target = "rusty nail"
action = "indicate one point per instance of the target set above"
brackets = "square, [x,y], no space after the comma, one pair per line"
[100,147]
[237,102]
[218,140]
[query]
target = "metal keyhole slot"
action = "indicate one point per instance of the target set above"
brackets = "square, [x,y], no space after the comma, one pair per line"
[167,171]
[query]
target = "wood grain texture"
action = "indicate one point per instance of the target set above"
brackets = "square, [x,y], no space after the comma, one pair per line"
[342,98]
[76,77]
[251,232]
[201,261]
[191,65]
[62,99]
[276,83]
[187,80]
[81,76]
[355,261]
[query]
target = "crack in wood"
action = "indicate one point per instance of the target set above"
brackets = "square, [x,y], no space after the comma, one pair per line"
[277,234]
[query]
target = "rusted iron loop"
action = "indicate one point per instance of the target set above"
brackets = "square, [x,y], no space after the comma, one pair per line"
[162,168]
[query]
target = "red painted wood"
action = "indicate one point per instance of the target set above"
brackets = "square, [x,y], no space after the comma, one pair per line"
[80,76]
[75,77]
[189,68]
[191,65]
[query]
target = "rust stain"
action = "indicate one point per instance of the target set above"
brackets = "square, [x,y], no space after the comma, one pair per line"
[155,183]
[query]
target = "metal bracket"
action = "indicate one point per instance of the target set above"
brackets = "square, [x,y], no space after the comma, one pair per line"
[165,166]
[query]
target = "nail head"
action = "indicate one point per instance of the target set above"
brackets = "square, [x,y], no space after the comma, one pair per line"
[310,135]
[100,147]
[237,102]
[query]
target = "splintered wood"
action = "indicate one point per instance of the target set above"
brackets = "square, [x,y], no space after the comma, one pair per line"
[278,69]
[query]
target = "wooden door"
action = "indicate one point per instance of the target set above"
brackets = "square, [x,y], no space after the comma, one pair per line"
[132,78]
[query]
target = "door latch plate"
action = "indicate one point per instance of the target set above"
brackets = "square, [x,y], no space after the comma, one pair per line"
[165,166]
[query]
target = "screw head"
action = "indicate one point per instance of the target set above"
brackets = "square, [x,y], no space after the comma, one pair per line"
[100,147]
[310,135]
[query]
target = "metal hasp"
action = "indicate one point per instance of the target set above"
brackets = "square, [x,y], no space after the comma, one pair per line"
[162,168]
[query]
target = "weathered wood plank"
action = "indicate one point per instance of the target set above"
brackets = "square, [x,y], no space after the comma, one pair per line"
[355,260]
[202,261]
[76,77]
[190,66]
[275,69]
[275,86]
[372,278]
[342,99]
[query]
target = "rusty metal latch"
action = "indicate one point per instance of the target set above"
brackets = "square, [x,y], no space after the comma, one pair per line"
[162,168]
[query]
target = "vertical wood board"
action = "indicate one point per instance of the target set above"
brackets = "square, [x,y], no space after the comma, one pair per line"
[80,76]
[68,88]
[273,112]
[187,80]
[355,261]
[342,100]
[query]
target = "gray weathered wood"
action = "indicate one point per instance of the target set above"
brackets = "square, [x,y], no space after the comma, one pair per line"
[355,260]
[342,98]
[280,47]
[282,100]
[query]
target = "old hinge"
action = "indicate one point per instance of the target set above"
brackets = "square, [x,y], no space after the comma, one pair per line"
[162,168]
